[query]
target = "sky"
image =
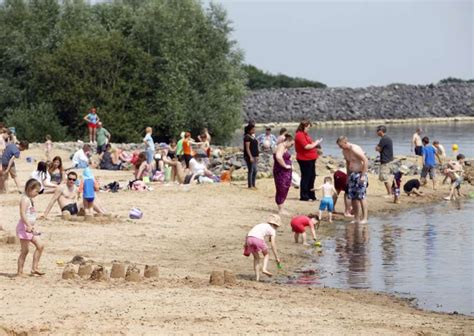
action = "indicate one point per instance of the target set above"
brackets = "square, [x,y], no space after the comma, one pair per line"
[357,43]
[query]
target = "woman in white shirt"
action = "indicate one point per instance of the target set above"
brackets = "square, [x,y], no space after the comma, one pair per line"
[255,243]
[41,174]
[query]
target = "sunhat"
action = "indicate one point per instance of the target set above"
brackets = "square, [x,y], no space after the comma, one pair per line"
[404,169]
[274,219]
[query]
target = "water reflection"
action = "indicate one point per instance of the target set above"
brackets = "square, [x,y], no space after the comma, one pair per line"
[425,253]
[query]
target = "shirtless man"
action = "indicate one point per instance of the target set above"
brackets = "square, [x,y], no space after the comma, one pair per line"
[66,196]
[417,145]
[357,165]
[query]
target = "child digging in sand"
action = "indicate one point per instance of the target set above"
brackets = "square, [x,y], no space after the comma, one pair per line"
[397,181]
[299,225]
[25,229]
[327,203]
[255,243]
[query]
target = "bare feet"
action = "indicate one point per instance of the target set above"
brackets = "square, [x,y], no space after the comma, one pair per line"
[36,272]
[354,222]
[365,221]
[348,215]
[283,213]
[267,273]
[21,275]
[305,244]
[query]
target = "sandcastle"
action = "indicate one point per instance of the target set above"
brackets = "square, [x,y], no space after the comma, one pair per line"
[219,278]
[79,267]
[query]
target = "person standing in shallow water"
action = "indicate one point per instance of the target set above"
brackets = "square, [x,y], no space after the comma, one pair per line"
[357,166]
[282,170]
[306,155]
[251,155]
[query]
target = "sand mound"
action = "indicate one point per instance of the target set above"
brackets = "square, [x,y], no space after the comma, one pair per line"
[133,274]
[151,271]
[117,271]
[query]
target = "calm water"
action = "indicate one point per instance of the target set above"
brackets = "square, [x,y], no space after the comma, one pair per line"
[426,254]
[459,133]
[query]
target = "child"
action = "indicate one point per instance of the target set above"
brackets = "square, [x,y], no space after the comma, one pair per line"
[25,229]
[327,203]
[299,224]
[149,145]
[88,187]
[92,120]
[397,180]
[412,187]
[48,147]
[429,162]
[11,152]
[455,172]
[255,243]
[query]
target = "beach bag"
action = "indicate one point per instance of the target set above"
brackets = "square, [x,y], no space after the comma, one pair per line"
[167,173]
[113,187]
[295,180]
[158,176]
[135,213]
[138,185]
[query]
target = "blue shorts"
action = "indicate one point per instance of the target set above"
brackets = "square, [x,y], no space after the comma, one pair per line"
[89,199]
[150,155]
[327,203]
[356,187]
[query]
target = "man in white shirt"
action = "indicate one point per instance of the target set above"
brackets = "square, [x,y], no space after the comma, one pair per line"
[81,158]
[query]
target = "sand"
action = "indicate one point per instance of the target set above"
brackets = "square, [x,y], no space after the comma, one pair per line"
[188,233]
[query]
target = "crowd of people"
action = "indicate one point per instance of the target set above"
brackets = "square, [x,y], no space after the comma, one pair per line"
[352,179]
[186,161]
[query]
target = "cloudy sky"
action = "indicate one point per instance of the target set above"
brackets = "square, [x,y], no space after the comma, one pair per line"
[355,43]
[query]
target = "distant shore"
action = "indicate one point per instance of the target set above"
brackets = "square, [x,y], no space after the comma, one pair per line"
[344,123]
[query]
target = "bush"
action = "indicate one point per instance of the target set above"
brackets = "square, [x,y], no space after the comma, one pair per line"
[34,122]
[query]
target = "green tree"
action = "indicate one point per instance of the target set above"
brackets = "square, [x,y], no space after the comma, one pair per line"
[34,122]
[169,64]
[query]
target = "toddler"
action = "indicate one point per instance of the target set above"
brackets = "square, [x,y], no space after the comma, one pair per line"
[88,187]
[25,229]
[397,180]
[327,203]
[299,224]
[255,243]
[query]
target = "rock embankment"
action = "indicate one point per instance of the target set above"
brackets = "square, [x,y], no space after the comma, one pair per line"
[396,101]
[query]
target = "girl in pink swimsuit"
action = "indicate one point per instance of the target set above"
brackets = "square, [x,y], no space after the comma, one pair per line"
[25,229]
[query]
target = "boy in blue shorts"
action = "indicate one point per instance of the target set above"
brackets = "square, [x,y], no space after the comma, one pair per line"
[429,162]
[327,202]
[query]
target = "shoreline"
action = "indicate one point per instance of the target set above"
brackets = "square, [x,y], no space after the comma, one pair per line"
[377,214]
[345,123]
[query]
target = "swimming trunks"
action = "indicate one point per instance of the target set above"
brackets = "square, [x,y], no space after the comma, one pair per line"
[356,187]
[419,150]
[72,208]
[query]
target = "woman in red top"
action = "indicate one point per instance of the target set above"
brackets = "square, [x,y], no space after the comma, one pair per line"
[306,155]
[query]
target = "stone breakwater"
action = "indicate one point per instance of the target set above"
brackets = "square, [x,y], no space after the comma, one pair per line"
[396,101]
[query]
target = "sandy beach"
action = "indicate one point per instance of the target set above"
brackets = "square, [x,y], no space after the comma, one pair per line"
[188,233]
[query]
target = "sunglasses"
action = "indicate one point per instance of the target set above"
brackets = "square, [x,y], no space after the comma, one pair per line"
[72,179]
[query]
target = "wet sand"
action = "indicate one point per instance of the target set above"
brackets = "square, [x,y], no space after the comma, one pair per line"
[190,232]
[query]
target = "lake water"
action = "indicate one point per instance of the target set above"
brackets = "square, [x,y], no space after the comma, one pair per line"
[447,134]
[426,253]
